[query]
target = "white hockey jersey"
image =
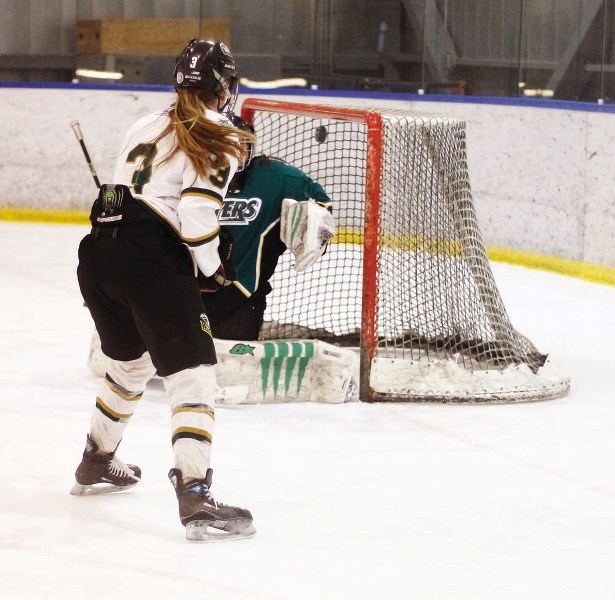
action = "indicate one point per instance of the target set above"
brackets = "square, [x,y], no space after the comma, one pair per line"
[173,190]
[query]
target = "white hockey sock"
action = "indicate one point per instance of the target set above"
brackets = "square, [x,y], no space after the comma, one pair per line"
[192,395]
[122,389]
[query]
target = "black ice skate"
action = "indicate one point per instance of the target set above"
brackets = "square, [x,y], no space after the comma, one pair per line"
[205,519]
[103,474]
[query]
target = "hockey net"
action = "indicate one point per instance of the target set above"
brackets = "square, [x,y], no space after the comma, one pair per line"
[406,280]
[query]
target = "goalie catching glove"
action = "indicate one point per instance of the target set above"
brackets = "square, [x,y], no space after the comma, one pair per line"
[305,228]
[225,274]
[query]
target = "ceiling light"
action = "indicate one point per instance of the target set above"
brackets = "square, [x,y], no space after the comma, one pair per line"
[93,74]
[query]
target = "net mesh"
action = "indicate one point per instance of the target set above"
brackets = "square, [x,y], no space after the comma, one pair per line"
[436,292]
[323,302]
[436,295]
[434,327]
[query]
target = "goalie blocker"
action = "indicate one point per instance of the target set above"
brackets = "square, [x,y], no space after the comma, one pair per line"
[272,372]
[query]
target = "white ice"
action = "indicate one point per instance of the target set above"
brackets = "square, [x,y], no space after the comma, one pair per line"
[352,501]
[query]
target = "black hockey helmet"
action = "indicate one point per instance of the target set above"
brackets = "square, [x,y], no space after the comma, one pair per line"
[208,65]
[240,123]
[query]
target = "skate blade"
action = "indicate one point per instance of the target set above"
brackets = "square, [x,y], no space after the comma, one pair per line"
[96,489]
[204,531]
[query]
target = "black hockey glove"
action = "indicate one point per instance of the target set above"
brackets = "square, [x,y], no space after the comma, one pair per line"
[225,274]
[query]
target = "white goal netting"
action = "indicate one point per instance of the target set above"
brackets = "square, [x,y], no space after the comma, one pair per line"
[407,279]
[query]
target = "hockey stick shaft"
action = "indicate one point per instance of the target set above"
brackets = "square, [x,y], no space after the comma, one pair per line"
[77,129]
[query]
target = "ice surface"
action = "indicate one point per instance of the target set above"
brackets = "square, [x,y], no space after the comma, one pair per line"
[352,501]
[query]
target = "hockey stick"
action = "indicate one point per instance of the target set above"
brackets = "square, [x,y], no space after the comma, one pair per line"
[79,135]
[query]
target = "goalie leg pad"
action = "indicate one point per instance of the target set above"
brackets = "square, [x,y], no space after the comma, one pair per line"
[283,371]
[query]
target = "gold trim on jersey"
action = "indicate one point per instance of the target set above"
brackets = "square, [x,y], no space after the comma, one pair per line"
[201,240]
[202,193]
[192,242]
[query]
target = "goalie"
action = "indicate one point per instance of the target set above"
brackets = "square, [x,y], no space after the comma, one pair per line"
[270,207]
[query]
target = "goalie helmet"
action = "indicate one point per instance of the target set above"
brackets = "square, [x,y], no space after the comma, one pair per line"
[209,66]
[250,149]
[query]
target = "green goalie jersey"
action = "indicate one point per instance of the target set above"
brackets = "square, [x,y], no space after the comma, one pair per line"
[252,215]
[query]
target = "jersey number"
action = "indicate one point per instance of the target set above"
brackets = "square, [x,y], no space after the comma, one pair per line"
[141,175]
[221,177]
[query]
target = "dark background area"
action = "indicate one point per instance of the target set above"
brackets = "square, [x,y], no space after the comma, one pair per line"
[554,48]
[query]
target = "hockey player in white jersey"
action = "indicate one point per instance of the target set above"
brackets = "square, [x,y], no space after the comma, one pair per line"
[154,230]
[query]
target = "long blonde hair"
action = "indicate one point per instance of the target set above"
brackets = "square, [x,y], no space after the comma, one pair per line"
[205,142]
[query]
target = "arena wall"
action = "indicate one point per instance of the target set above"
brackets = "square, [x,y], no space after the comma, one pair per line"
[541,172]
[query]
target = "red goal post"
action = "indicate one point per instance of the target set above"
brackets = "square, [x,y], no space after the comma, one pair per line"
[373,165]
[432,325]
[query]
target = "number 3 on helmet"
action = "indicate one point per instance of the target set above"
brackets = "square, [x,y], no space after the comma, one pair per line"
[208,65]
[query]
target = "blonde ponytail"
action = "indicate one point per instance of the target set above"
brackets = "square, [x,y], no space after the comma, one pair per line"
[205,142]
